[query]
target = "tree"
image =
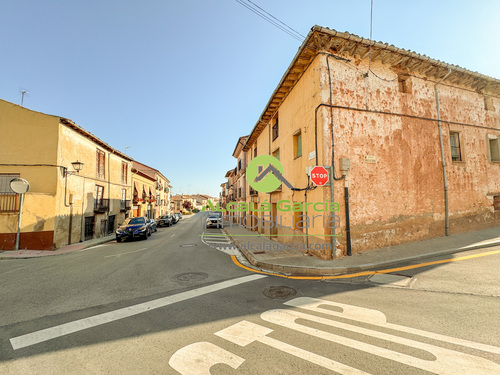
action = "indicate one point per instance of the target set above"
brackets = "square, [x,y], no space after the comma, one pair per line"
[187,205]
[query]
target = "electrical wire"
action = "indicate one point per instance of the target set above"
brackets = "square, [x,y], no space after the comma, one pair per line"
[270,18]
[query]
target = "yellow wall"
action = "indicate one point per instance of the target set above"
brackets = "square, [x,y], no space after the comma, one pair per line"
[30,137]
[295,113]
[76,147]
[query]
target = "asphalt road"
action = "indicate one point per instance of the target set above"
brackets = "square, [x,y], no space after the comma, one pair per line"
[174,305]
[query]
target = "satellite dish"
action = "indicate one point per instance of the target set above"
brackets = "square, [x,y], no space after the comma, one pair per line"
[19,185]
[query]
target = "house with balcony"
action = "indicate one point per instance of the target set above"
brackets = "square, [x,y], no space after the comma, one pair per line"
[160,203]
[412,144]
[79,185]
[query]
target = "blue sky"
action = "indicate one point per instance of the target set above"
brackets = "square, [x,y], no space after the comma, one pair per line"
[180,81]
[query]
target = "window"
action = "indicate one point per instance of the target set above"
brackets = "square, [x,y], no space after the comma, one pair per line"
[275,130]
[9,200]
[99,193]
[255,152]
[404,84]
[493,148]
[488,103]
[297,144]
[124,172]
[456,154]
[100,164]
[496,202]
[276,153]
[239,165]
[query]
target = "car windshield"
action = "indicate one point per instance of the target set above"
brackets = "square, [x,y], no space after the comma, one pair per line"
[213,216]
[134,220]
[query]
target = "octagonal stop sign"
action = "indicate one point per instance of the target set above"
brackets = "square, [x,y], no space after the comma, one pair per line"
[319,175]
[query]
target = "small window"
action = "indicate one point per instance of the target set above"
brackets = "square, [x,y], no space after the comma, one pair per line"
[493,148]
[99,193]
[239,165]
[124,173]
[297,144]
[496,202]
[100,164]
[255,152]
[488,103]
[275,129]
[404,84]
[456,154]
[276,153]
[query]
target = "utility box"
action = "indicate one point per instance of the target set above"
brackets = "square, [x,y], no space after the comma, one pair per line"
[345,164]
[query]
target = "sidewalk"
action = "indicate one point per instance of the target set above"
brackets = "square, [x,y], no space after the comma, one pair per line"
[294,262]
[25,254]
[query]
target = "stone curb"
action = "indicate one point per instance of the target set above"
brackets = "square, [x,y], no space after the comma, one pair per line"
[54,253]
[330,271]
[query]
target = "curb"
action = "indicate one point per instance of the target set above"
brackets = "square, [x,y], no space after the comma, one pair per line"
[53,252]
[331,271]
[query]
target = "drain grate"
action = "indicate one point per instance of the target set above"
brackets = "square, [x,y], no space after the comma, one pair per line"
[277,292]
[190,276]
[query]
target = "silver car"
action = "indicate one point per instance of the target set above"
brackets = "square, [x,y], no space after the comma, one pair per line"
[214,219]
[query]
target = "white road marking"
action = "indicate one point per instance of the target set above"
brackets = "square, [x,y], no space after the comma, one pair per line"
[244,333]
[96,320]
[197,358]
[173,235]
[378,318]
[128,252]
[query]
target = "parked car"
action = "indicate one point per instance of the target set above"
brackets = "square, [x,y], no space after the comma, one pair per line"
[179,215]
[214,219]
[152,224]
[133,227]
[174,218]
[164,221]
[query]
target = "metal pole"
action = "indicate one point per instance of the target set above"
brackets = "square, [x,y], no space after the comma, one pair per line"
[19,221]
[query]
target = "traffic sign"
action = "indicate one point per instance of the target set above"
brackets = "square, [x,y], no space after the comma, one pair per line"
[319,176]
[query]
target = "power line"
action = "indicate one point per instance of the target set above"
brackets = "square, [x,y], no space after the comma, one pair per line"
[271,19]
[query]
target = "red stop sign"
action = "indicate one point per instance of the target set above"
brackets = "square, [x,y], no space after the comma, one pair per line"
[319,176]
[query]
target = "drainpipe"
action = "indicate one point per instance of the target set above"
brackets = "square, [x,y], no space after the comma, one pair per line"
[446,203]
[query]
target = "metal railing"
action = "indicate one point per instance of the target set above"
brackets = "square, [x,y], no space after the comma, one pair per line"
[9,202]
[101,205]
[125,205]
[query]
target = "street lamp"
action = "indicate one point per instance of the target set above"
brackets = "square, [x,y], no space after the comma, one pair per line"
[77,166]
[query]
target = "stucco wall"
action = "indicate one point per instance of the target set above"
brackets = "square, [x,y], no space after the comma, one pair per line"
[30,138]
[396,179]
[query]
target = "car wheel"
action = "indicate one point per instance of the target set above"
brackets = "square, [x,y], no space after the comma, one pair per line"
[148,233]
[118,239]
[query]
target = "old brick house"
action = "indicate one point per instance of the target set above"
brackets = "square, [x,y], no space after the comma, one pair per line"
[422,137]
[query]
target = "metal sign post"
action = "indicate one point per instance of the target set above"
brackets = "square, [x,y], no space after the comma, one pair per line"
[19,186]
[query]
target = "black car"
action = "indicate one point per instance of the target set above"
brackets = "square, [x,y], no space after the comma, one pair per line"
[133,227]
[164,221]
[153,226]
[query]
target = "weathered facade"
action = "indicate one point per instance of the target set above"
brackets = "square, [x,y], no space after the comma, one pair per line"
[422,138]
[63,206]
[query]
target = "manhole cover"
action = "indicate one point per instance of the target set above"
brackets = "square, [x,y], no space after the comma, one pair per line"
[189,245]
[191,276]
[279,292]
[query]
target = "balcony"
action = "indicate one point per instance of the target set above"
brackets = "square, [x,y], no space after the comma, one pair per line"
[253,192]
[101,205]
[125,205]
